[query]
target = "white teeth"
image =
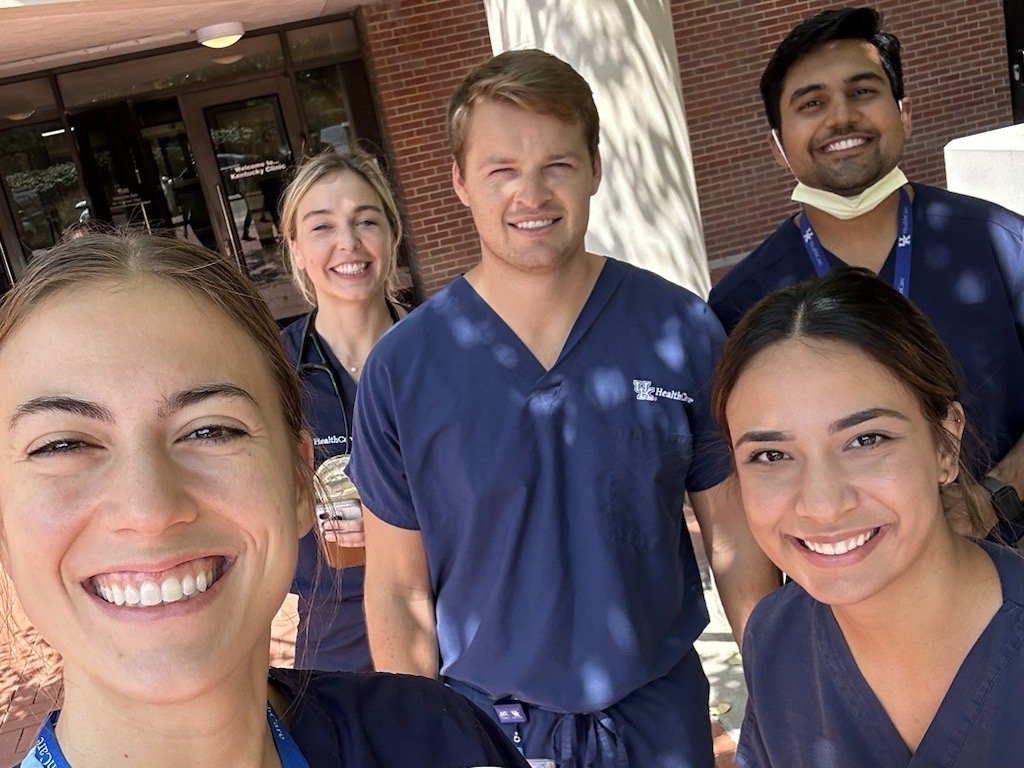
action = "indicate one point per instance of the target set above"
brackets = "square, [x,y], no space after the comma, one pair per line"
[171,590]
[534,224]
[131,595]
[352,268]
[839,146]
[149,593]
[839,547]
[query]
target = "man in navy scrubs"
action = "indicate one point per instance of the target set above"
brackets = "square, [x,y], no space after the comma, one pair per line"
[833,94]
[523,445]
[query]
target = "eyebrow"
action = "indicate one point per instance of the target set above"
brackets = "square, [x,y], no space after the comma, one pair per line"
[561,155]
[762,436]
[866,415]
[61,404]
[778,436]
[328,211]
[860,76]
[195,395]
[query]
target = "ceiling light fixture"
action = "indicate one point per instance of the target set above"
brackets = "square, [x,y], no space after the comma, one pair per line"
[18,108]
[220,35]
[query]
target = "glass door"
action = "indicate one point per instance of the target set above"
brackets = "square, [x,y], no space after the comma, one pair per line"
[118,172]
[244,139]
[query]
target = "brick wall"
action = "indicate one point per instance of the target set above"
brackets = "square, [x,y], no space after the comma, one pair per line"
[417,51]
[954,70]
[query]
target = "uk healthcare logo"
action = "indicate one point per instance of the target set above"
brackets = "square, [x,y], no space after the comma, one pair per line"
[646,392]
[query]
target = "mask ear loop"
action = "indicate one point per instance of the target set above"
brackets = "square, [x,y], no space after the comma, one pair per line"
[778,143]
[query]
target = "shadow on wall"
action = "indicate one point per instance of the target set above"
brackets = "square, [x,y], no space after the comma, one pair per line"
[646,211]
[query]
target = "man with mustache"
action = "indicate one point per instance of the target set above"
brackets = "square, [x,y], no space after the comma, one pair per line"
[833,95]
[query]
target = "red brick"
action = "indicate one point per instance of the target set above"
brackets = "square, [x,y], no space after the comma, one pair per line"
[954,70]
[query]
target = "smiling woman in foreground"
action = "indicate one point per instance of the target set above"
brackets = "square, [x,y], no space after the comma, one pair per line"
[154,483]
[898,643]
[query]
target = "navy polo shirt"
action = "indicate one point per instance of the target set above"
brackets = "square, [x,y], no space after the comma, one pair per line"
[549,501]
[332,628]
[966,276]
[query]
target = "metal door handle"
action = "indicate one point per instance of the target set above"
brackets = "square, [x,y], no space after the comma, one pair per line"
[7,264]
[236,247]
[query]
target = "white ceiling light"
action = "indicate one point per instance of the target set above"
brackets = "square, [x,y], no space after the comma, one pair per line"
[220,35]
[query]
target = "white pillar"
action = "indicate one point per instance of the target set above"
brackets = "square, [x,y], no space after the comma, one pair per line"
[646,211]
[989,165]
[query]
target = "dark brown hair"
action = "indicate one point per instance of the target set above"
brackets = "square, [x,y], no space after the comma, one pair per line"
[854,307]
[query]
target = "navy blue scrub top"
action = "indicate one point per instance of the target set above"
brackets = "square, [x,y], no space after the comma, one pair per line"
[550,501]
[332,628]
[810,706]
[966,276]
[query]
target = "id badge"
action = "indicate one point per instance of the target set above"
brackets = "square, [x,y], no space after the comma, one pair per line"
[509,712]
[541,763]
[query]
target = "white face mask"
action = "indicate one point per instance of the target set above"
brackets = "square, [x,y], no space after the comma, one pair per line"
[846,207]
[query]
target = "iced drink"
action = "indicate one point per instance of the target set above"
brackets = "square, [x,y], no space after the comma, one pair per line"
[340,502]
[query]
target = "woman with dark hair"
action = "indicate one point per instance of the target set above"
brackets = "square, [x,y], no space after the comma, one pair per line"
[898,641]
[154,482]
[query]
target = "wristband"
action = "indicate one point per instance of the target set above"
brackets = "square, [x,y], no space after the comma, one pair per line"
[1009,510]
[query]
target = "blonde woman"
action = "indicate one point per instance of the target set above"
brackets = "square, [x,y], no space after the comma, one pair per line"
[342,230]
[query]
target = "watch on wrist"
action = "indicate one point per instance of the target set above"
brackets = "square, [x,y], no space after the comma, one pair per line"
[1009,510]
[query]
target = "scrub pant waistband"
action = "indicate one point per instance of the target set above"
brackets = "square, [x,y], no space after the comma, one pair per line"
[571,739]
[660,725]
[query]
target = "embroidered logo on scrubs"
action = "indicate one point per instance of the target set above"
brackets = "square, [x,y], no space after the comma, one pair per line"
[331,440]
[645,391]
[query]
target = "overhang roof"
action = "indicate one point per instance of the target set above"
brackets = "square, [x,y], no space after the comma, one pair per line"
[46,34]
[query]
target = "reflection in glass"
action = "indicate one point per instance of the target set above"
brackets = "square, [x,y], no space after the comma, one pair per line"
[189,215]
[113,170]
[42,182]
[253,156]
[324,103]
[327,41]
[168,72]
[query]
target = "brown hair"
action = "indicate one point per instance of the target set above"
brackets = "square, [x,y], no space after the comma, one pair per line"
[854,307]
[326,166]
[97,259]
[532,80]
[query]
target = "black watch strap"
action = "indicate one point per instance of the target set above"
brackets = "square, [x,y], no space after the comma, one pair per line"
[1008,507]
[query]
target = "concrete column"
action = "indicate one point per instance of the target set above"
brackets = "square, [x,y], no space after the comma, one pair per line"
[989,165]
[646,211]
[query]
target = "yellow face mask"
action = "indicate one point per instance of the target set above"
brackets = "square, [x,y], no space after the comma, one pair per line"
[845,207]
[850,207]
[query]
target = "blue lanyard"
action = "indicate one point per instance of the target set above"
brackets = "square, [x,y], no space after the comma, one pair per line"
[48,752]
[904,238]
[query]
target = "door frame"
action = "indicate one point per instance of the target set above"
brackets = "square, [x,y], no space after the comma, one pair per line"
[193,107]
[1013,10]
